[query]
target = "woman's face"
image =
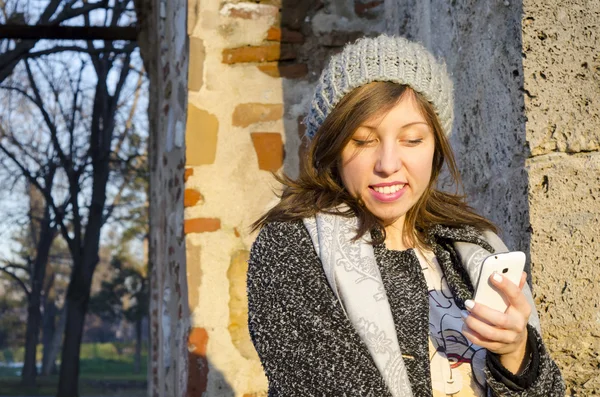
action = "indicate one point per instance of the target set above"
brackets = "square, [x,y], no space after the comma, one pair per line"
[388,161]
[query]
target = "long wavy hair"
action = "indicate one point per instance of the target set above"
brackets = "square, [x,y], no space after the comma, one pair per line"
[319,188]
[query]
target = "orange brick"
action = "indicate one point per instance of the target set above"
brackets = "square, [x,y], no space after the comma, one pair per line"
[284,35]
[191,197]
[201,225]
[197,362]
[269,150]
[264,53]
[187,173]
[250,113]
[288,71]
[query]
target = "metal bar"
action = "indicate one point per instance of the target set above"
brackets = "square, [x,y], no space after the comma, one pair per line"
[37,32]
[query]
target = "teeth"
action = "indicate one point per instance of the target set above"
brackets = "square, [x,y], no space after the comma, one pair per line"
[388,189]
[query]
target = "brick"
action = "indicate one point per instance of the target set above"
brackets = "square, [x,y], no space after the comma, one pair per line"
[238,305]
[197,362]
[288,71]
[264,53]
[200,136]
[284,35]
[295,12]
[187,173]
[196,67]
[194,273]
[246,114]
[247,10]
[367,8]
[201,225]
[191,197]
[269,150]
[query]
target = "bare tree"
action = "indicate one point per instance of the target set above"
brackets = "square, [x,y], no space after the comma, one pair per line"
[53,13]
[97,154]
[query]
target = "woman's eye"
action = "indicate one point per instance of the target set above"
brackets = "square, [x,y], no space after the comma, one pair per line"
[414,142]
[360,142]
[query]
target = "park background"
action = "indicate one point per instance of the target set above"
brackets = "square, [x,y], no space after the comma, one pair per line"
[229,83]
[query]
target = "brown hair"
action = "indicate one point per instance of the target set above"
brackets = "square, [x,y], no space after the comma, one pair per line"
[319,188]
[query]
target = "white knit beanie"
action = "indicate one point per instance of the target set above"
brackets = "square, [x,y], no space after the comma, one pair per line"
[382,58]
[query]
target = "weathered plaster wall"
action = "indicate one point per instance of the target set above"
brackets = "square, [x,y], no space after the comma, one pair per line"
[164,49]
[561,68]
[253,66]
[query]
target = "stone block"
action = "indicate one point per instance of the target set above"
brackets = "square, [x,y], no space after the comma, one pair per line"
[197,362]
[285,70]
[196,66]
[191,197]
[201,225]
[284,35]
[194,274]
[295,12]
[246,10]
[264,53]
[238,305]
[200,136]
[246,114]
[269,150]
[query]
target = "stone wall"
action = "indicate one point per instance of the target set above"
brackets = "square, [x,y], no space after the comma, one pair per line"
[253,66]
[561,69]
[526,139]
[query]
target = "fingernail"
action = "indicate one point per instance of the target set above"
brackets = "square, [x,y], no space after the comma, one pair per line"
[469,304]
[464,314]
[497,277]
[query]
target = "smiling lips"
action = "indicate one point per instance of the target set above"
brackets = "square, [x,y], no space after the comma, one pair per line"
[387,192]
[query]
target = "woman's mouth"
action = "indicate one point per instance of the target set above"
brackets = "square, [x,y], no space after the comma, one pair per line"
[387,193]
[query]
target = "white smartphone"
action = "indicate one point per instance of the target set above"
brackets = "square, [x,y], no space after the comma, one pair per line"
[509,265]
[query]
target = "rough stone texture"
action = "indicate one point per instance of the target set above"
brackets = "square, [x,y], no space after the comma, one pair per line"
[198,363]
[564,192]
[483,55]
[562,75]
[264,53]
[201,137]
[269,150]
[562,102]
[164,49]
[238,305]
[201,225]
[196,69]
[246,114]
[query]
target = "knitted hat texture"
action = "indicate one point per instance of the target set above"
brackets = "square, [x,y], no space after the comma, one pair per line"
[382,58]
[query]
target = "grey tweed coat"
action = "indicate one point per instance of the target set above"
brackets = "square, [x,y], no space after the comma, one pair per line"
[308,347]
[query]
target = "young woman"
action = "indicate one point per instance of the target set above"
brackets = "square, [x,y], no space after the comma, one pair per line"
[360,282]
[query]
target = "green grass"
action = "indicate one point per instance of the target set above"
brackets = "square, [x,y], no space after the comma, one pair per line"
[105,369]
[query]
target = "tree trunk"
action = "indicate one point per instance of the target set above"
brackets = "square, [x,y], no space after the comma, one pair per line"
[31,340]
[49,363]
[68,385]
[137,358]
[48,332]
[34,315]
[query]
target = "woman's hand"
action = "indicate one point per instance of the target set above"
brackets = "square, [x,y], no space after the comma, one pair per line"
[502,333]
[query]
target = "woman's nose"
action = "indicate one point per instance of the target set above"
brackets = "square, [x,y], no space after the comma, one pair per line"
[388,159]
